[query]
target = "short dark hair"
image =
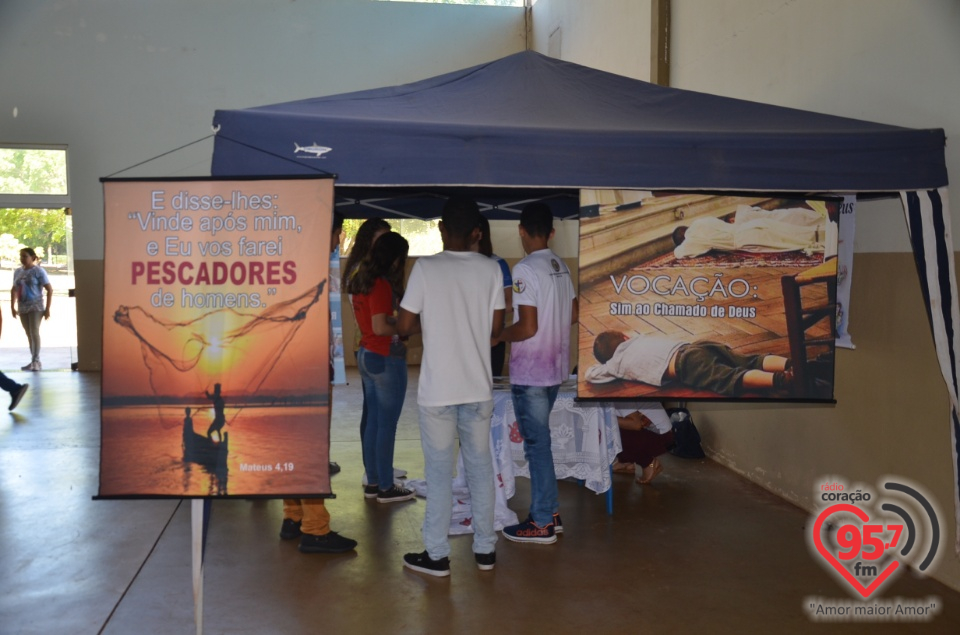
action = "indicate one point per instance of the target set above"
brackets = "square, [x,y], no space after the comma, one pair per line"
[679,234]
[606,345]
[460,217]
[537,219]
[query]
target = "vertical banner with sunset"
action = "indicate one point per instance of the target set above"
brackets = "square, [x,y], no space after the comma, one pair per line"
[687,296]
[216,337]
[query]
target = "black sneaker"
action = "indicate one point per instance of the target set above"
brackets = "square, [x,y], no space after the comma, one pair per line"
[327,543]
[394,495]
[334,468]
[486,561]
[290,529]
[424,564]
[529,531]
[16,395]
[370,491]
[557,524]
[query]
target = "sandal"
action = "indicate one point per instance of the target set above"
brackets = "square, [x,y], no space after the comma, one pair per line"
[650,472]
[623,468]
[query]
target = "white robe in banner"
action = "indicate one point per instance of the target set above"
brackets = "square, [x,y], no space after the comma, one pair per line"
[642,358]
[761,231]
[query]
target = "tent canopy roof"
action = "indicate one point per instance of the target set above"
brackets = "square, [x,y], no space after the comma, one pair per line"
[530,121]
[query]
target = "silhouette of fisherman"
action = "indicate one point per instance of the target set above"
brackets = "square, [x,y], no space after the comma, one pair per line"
[187,430]
[219,420]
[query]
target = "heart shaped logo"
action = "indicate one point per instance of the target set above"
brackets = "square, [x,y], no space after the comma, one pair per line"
[865,591]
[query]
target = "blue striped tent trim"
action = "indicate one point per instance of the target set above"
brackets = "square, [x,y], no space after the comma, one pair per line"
[928,221]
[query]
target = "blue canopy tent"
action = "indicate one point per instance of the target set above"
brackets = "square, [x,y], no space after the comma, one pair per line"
[529,126]
[525,123]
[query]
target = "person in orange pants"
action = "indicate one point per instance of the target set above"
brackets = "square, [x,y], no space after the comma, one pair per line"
[308,518]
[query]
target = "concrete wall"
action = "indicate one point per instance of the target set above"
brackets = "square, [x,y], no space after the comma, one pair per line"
[121,82]
[612,35]
[879,60]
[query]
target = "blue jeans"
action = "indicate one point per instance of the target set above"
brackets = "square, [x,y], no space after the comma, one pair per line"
[532,405]
[363,411]
[384,388]
[31,326]
[8,384]
[438,427]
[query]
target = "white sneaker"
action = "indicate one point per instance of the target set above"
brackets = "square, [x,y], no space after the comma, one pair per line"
[398,473]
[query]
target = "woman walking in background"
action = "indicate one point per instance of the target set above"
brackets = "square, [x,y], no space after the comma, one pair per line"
[26,300]
[376,289]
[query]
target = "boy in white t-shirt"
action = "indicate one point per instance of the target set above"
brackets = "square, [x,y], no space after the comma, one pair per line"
[455,299]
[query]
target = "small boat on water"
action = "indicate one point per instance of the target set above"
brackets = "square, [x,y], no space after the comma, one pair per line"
[203,450]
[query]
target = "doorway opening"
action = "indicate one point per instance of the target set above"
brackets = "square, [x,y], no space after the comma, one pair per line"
[35,213]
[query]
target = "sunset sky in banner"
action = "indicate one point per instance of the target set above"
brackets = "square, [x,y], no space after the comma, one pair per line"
[216,282]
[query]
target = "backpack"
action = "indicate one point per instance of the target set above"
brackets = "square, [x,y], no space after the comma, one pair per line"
[685,435]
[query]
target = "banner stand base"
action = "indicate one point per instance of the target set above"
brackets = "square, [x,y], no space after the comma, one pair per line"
[198,509]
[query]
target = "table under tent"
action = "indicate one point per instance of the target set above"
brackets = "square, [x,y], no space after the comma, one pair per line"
[528,127]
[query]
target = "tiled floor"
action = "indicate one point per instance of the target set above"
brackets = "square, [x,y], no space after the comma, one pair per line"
[700,551]
[52,358]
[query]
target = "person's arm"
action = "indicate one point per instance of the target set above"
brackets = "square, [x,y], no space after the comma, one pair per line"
[575,311]
[408,315]
[686,249]
[525,327]
[691,247]
[383,324]
[49,288]
[600,374]
[408,323]
[507,287]
[14,296]
[497,324]
[633,421]
[380,301]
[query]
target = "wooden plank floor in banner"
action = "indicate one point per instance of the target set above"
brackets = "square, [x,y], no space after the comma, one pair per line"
[766,332]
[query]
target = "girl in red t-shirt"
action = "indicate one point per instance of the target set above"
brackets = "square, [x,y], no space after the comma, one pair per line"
[377,288]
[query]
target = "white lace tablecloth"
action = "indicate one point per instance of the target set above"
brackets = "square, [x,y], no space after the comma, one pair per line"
[585,440]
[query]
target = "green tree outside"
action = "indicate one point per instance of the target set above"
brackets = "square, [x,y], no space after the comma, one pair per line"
[423,236]
[32,171]
[43,229]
